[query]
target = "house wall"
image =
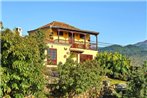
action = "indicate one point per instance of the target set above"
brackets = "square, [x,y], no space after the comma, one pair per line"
[66,36]
[63,52]
[88,52]
[48,31]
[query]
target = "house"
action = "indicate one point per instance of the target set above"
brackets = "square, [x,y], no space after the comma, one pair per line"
[63,40]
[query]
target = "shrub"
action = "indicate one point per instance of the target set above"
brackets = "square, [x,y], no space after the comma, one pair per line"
[117,65]
[21,66]
[76,78]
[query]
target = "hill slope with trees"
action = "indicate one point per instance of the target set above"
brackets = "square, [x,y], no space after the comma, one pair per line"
[136,52]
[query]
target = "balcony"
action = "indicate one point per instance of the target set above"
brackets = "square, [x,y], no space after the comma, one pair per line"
[76,44]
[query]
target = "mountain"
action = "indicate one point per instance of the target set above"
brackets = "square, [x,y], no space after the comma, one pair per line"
[127,50]
[142,44]
[136,52]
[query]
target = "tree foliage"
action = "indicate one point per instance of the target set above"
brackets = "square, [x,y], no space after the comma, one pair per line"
[117,65]
[137,85]
[76,78]
[21,65]
[137,52]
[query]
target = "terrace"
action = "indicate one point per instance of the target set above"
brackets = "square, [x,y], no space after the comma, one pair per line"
[76,44]
[81,44]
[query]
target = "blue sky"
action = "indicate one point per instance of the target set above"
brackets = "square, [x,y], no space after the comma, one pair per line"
[118,22]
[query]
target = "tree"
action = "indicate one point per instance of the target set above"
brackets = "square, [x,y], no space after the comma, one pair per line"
[21,65]
[137,85]
[76,78]
[117,65]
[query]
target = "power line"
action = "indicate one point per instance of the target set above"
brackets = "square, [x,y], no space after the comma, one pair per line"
[106,43]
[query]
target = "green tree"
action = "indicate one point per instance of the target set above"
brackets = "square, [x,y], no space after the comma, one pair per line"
[117,65]
[137,85]
[21,65]
[76,78]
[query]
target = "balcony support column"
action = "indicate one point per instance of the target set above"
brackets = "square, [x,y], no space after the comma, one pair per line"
[58,34]
[84,41]
[96,42]
[72,37]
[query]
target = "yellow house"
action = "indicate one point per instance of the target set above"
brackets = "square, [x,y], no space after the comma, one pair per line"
[63,39]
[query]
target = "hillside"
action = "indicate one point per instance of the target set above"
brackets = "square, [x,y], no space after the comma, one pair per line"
[136,52]
[142,45]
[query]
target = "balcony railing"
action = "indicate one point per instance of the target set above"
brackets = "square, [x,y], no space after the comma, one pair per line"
[76,44]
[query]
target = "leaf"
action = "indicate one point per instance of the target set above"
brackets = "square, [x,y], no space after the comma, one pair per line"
[19,96]
[14,86]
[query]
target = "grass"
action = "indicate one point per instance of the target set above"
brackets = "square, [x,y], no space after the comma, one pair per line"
[114,81]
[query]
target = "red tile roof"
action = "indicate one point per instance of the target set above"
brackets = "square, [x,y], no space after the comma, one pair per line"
[61,25]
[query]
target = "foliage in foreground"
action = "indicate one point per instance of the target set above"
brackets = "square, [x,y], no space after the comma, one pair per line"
[77,78]
[137,86]
[117,65]
[21,65]
[22,74]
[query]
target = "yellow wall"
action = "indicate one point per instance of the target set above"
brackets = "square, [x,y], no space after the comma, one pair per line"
[48,31]
[90,52]
[66,36]
[62,51]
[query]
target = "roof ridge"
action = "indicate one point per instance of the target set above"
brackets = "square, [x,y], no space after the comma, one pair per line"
[60,24]
[63,25]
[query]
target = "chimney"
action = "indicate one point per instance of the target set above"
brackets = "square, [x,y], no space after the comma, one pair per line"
[18,31]
[1,25]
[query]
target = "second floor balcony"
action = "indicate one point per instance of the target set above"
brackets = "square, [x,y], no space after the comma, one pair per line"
[59,32]
[76,44]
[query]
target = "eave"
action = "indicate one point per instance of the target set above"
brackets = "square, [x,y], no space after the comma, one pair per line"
[72,30]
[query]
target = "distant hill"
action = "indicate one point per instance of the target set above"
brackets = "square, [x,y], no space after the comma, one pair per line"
[136,52]
[142,45]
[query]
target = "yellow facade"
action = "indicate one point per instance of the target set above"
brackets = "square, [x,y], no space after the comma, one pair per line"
[64,47]
[66,35]
[63,52]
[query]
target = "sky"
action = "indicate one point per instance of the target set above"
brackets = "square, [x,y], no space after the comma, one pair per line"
[119,22]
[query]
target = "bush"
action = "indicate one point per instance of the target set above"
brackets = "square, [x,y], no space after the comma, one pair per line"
[76,78]
[117,65]
[137,85]
[21,66]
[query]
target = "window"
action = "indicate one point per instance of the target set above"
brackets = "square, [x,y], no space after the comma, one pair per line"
[82,36]
[52,56]
[70,35]
[60,33]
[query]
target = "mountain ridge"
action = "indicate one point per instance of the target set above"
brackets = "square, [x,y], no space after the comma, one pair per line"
[142,44]
[136,52]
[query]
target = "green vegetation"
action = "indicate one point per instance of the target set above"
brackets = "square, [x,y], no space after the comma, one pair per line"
[117,65]
[137,52]
[76,78]
[23,73]
[114,81]
[21,67]
[137,85]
